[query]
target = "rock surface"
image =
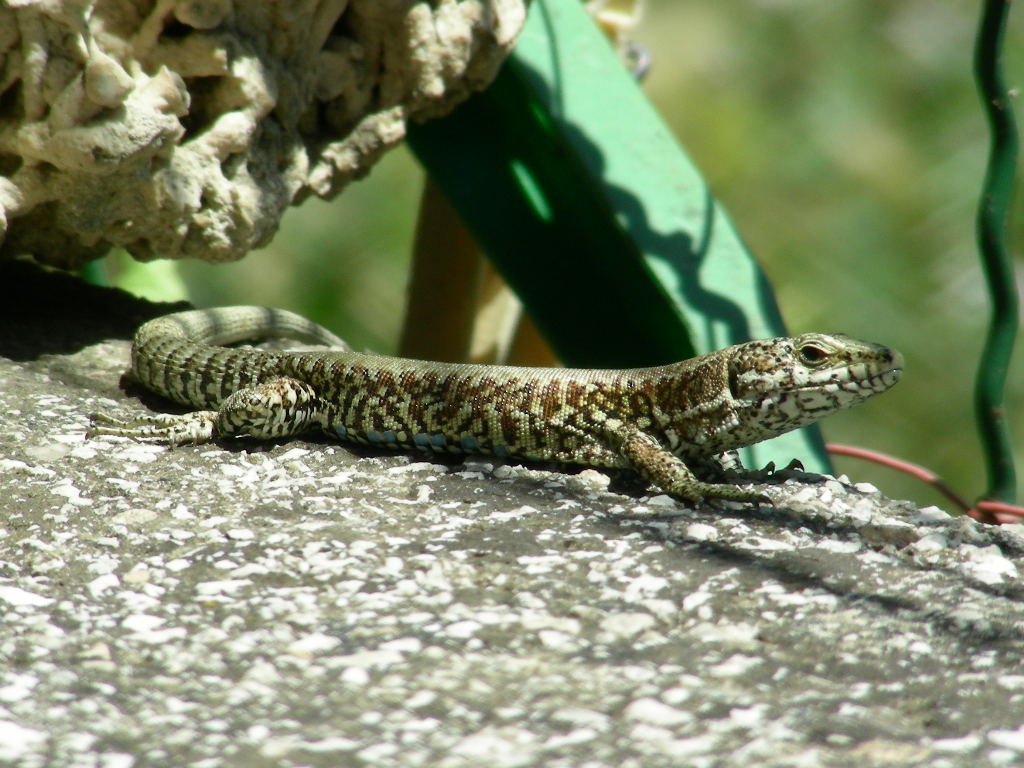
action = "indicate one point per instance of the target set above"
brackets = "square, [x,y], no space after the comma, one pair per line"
[305,604]
[184,129]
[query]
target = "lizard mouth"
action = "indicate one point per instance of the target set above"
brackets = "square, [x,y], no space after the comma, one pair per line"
[876,376]
[890,377]
[870,383]
[883,380]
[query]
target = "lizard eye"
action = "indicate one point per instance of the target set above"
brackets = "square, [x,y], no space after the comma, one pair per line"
[812,354]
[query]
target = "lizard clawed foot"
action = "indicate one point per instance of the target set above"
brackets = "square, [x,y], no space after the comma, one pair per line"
[745,497]
[168,429]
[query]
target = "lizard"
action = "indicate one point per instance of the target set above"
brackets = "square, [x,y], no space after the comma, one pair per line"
[657,420]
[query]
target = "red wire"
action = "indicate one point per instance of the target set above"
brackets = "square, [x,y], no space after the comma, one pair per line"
[986,511]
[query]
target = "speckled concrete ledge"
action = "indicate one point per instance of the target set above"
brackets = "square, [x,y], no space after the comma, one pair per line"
[301,604]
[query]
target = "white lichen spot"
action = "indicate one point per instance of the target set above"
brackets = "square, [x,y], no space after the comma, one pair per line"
[988,565]
[701,532]
[654,712]
[101,584]
[625,625]
[134,517]
[958,744]
[313,643]
[736,665]
[19,597]
[932,542]
[17,740]
[930,515]
[1009,739]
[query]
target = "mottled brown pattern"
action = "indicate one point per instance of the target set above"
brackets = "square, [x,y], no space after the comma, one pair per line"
[649,419]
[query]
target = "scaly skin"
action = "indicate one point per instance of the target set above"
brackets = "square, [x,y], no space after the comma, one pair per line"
[652,420]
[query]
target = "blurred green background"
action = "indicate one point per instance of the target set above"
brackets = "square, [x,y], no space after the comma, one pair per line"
[845,141]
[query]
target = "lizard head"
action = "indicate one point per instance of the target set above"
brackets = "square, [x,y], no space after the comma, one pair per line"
[781,384]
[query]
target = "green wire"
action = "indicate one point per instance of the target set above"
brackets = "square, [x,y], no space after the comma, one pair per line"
[993,211]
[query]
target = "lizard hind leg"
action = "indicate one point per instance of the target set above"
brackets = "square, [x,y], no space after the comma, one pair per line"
[277,408]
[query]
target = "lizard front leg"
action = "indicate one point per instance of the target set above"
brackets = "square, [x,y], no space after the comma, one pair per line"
[664,469]
[277,408]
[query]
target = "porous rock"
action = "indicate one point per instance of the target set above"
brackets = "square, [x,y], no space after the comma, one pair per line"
[184,128]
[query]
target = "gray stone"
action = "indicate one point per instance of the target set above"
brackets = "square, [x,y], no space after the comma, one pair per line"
[306,604]
[184,129]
